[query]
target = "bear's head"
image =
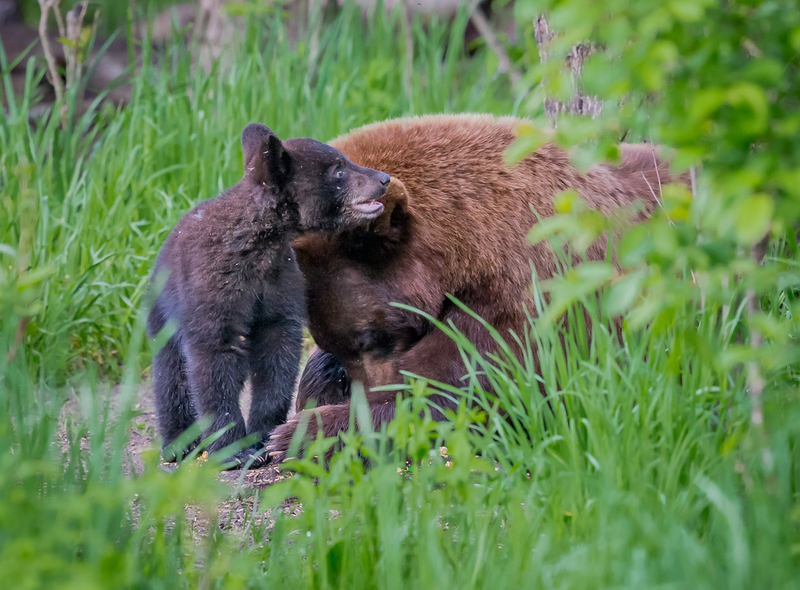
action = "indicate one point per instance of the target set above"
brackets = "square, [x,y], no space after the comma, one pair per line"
[331,193]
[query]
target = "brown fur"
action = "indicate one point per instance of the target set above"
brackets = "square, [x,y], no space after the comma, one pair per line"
[455,222]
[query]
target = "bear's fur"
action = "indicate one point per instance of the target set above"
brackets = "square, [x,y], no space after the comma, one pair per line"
[233,290]
[456,221]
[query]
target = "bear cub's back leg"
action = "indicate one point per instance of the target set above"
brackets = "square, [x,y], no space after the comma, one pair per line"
[175,410]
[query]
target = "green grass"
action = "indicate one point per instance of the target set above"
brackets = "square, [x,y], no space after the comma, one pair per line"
[639,470]
[101,197]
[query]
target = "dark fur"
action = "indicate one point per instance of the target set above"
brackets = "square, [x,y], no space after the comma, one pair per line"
[455,222]
[234,291]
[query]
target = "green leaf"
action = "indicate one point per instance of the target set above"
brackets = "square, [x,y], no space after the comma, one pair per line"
[795,39]
[560,225]
[593,273]
[752,218]
[705,102]
[635,245]
[687,10]
[787,280]
[35,276]
[568,202]
[753,99]
[764,72]
[526,10]
[335,559]
[665,239]
[624,292]
[529,139]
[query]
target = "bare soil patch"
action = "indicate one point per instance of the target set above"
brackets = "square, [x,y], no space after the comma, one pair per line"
[143,438]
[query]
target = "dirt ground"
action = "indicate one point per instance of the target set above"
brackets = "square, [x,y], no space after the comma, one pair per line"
[235,513]
[143,438]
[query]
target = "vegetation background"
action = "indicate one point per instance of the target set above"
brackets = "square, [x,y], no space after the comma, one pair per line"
[667,460]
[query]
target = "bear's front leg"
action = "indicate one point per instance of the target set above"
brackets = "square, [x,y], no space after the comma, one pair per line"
[330,421]
[175,409]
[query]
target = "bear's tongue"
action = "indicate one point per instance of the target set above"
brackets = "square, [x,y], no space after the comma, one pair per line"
[368,207]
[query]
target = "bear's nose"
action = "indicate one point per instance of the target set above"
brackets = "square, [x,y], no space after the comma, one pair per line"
[385,178]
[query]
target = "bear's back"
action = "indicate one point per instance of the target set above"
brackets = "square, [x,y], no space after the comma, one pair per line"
[472,207]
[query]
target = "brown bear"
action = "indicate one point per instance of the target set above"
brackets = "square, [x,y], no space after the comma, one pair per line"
[234,293]
[455,221]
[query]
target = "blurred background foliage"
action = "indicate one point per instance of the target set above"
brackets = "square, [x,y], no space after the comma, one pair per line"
[669,459]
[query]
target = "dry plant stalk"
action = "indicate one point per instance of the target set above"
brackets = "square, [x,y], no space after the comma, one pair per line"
[580,104]
[76,43]
[52,67]
[487,32]
[755,378]
[315,8]
[408,38]
[216,28]
[73,42]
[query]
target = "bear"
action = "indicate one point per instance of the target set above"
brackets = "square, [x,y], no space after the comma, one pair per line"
[233,291]
[455,222]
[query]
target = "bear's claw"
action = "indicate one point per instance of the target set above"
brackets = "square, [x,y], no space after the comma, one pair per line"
[279,441]
[240,459]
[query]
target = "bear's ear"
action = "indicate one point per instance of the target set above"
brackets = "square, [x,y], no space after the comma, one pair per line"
[265,158]
[392,223]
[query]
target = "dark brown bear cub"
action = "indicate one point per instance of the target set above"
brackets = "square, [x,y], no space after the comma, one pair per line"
[234,293]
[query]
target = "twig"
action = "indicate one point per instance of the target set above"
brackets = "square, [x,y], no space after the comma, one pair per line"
[216,29]
[18,337]
[755,380]
[314,24]
[55,78]
[655,196]
[658,174]
[409,56]
[544,35]
[74,49]
[669,219]
[487,32]
[62,30]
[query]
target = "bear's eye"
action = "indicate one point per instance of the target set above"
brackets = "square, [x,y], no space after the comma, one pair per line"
[339,173]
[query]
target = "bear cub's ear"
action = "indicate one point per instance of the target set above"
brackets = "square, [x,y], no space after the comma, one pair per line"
[265,159]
